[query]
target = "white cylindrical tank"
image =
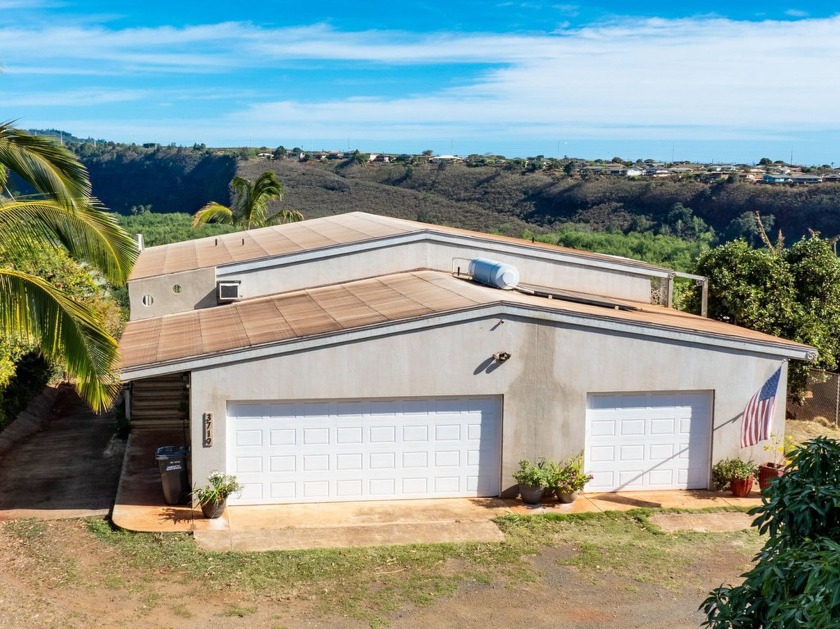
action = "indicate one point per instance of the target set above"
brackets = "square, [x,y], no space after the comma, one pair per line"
[494,273]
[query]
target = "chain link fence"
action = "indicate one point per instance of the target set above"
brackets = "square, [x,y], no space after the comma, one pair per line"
[822,399]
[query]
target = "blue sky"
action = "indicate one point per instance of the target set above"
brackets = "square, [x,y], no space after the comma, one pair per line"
[712,81]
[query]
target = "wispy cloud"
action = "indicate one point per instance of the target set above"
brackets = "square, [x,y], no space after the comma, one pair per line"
[707,77]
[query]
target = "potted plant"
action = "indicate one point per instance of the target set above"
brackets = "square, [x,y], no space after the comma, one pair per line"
[737,474]
[771,470]
[569,478]
[532,480]
[213,497]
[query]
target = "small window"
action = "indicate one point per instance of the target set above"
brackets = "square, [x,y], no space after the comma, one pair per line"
[147,300]
[176,289]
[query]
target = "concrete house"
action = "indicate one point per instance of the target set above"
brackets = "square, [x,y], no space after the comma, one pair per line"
[360,357]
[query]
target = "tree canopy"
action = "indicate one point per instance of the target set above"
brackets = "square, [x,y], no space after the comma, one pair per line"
[796,578]
[793,293]
[60,213]
[250,206]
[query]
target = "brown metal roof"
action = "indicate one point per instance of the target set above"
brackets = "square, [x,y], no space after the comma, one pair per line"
[362,303]
[318,233]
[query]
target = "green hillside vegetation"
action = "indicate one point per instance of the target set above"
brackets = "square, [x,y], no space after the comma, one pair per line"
[162,229]
[169,179]
[507,198]
[670,251]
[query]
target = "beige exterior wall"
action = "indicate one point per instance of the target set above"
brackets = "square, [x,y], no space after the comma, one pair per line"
[440,257]
[544,384]
[197,287]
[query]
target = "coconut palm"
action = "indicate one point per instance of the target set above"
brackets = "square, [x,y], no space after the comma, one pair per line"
[60,214]
[249,208]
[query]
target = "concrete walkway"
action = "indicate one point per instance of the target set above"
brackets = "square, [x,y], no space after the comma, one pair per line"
[68,467]
[140,507]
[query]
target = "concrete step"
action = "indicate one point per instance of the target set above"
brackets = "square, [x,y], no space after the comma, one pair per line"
[156,413]
[174,393]
[153,403]
[156,424]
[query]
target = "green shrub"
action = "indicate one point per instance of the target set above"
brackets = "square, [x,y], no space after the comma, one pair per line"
[532,474]
[726,470]
[796,578]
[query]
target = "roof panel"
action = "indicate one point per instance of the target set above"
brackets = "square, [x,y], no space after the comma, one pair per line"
[263,322]
[347,309]
[140,347]
[178,337]
[357,304]
[341,229]
[221,329]
[304,315]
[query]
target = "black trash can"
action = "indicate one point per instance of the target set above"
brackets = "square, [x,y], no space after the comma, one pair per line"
[172,463]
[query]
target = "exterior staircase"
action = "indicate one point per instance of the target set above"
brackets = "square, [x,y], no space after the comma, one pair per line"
[161,402]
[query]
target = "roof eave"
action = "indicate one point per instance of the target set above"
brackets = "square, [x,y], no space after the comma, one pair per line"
[780,349]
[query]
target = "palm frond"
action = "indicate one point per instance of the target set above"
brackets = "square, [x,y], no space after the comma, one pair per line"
[66,331]
[48,167]
[285,216]
[213,212]
[87,233]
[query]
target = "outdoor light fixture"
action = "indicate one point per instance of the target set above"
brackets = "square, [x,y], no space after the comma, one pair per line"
[501,357]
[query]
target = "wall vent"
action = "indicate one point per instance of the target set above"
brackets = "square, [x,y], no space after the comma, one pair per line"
[228,291]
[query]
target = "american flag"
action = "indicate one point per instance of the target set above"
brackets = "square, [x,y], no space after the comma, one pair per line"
[758,416]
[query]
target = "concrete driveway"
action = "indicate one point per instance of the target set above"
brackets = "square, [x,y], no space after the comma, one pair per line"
[70,468]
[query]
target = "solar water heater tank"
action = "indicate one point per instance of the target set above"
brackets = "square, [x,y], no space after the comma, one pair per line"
[492,273]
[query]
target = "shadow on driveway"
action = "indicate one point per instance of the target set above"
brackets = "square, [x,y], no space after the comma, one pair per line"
[69,469]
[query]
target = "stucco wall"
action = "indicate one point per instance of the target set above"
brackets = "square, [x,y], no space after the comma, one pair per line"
[442,257]
[197,287]
[544,384]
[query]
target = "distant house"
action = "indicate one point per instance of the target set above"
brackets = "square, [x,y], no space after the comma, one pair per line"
[439,159]
[805,179]
[775,178]
[714,176]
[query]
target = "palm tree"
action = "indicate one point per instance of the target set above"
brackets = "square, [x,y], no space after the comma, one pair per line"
[249,208]
[60,214]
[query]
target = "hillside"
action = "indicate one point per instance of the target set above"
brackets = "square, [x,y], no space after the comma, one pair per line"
[507,199]
[319,191]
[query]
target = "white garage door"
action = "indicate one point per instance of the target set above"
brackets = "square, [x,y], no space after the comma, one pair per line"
[364,450]
[648,441]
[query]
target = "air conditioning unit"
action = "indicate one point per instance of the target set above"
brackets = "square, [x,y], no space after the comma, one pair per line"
[228,291]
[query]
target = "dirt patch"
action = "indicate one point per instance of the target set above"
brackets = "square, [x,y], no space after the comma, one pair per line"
[703,522]
[57,573]
[802,431]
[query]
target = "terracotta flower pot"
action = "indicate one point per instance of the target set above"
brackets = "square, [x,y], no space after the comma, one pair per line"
[213,509]
[769,472]
[567,497]
[741,488]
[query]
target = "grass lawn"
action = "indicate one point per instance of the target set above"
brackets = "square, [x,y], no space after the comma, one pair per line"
[363,584]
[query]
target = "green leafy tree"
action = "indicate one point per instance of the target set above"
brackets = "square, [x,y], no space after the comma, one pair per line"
[793,293]
[796,578]
[250,206]
[62,214]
